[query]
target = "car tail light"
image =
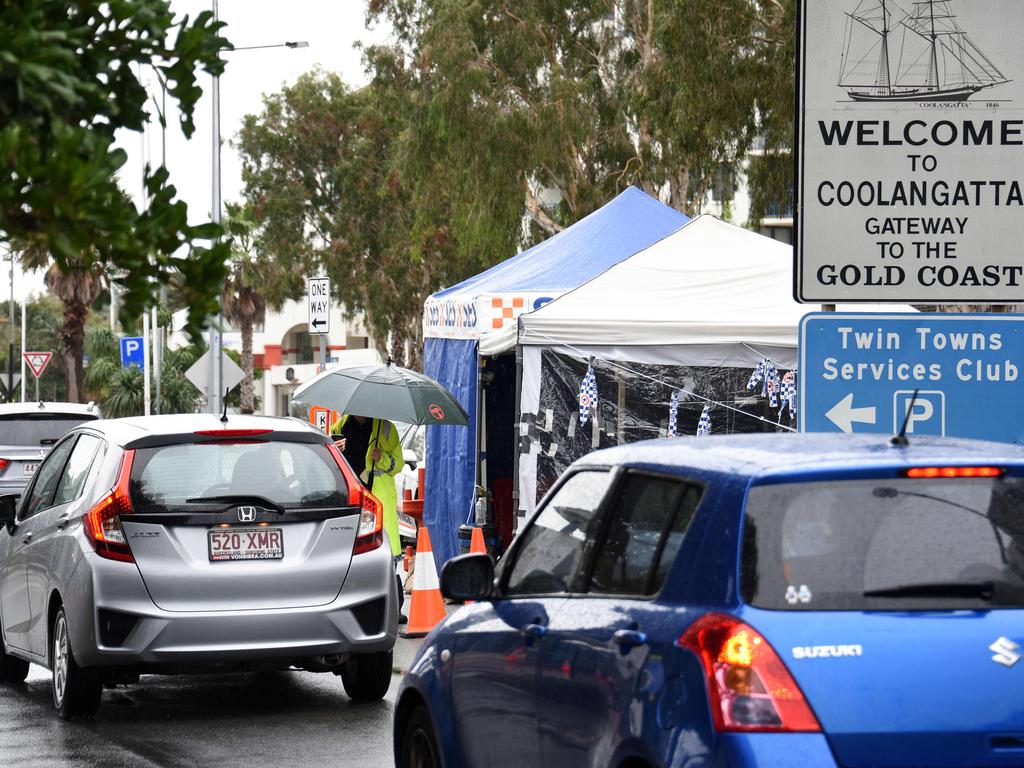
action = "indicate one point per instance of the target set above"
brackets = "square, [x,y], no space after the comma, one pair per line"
[102,523]
[371,525]
[3,464]
[929,472]
[370,534]
[749,687]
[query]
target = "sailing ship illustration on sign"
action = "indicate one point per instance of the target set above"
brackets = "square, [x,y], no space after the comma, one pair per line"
[892,55]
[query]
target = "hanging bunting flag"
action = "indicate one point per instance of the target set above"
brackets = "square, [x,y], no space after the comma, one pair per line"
[771,384]
[588,395]
[787,394]
[704,424]
[673,410]
[757,376]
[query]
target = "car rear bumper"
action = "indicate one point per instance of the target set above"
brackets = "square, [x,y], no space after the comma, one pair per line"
[759,750]
[114,622]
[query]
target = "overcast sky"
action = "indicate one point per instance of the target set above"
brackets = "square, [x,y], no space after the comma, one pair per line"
[332,28]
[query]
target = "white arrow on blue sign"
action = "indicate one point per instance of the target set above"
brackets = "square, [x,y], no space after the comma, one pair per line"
[859,371]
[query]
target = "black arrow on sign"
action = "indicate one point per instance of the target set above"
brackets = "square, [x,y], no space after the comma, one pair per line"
[318,322]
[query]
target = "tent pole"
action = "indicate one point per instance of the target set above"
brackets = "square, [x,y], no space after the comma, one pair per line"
[515,445]
[478,479]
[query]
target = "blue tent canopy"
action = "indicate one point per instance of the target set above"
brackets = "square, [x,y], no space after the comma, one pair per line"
[456,318]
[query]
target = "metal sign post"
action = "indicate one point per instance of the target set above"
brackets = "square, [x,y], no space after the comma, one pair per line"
[858,373]
[910,152]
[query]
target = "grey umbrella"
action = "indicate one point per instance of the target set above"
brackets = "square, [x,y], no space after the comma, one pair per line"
[383,391]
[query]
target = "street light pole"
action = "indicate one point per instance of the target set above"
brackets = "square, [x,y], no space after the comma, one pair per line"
[216,328]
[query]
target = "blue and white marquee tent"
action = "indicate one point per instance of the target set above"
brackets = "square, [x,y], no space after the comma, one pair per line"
[480,315]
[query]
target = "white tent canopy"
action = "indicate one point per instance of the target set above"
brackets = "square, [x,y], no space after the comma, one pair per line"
[710,294]
[710,284]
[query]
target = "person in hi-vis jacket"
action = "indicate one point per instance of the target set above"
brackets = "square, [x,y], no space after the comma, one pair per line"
[373,449]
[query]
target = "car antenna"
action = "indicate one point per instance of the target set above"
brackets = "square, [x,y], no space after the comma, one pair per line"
[224,414]
[900,440]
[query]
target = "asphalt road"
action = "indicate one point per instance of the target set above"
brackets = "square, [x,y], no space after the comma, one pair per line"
[272,719]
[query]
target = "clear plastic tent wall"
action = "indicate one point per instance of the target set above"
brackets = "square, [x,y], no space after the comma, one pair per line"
[457,320]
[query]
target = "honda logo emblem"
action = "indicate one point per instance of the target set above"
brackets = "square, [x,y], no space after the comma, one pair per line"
[246,514]
[1005,652]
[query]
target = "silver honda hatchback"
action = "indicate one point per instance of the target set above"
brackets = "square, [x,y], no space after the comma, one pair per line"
[181,543]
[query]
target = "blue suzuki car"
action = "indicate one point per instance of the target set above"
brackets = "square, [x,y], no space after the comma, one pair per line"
[759,600]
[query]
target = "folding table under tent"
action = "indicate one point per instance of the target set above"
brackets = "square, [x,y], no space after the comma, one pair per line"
[477,317]
[695,312]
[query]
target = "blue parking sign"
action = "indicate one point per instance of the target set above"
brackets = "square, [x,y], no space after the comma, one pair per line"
[859,371]
[132,352]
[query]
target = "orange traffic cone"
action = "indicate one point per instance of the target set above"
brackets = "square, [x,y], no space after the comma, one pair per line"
[426,609]
[476,543]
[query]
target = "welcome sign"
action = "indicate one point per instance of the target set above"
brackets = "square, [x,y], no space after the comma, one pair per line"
[910,168]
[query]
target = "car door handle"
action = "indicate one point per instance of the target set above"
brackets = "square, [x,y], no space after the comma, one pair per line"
[63,519]
[535,630]
[629,638]
[26,538]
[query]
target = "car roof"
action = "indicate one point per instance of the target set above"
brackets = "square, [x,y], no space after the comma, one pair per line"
[778,455]
[49,408]
[134,428]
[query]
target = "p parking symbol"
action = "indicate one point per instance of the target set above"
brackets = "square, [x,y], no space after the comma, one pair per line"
[925,415]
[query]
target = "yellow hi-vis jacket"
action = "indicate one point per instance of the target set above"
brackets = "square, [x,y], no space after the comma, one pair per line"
[383,435]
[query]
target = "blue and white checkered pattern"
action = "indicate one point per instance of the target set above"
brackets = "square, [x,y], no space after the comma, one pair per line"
[673,413]
[588,395]
[771,384]
[757,376]
[704,424]
[767,375]
[787,394]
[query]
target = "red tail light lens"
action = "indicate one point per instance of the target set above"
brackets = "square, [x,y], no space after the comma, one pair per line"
[3,464]
[102,523]
[749,687]
[370,534]
[371,525]
[929,472]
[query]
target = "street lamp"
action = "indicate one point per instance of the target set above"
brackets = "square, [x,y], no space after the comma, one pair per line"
[216,330]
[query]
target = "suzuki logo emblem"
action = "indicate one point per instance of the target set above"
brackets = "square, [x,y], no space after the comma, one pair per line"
[1005,652]
[246,514]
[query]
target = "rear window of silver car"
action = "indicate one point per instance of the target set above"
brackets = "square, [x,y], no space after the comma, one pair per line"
[291,475]
[41,430]
[886,544]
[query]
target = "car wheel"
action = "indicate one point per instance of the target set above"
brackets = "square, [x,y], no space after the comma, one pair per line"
[76,691]
[12,669]
[367,676]
[419,745]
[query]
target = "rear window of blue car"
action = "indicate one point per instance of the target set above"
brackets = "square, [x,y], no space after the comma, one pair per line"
[887,544]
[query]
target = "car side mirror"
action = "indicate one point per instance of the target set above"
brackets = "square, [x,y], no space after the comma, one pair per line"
[409,457]
[468,577]
[8,508]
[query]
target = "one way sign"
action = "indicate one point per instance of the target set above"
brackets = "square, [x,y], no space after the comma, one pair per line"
[318,292]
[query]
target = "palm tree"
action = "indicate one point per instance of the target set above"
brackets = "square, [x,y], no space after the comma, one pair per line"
[77,288]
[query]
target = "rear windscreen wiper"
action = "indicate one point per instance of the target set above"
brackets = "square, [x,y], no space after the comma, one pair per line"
[238,498]
[985,590]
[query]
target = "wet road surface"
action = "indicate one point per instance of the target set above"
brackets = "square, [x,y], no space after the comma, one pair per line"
[266,718]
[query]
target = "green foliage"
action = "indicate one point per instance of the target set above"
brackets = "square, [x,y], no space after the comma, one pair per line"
[320,176]
[121,392]
[68,82]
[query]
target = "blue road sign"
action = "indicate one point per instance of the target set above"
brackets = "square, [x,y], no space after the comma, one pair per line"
[132,352]
[858,373]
